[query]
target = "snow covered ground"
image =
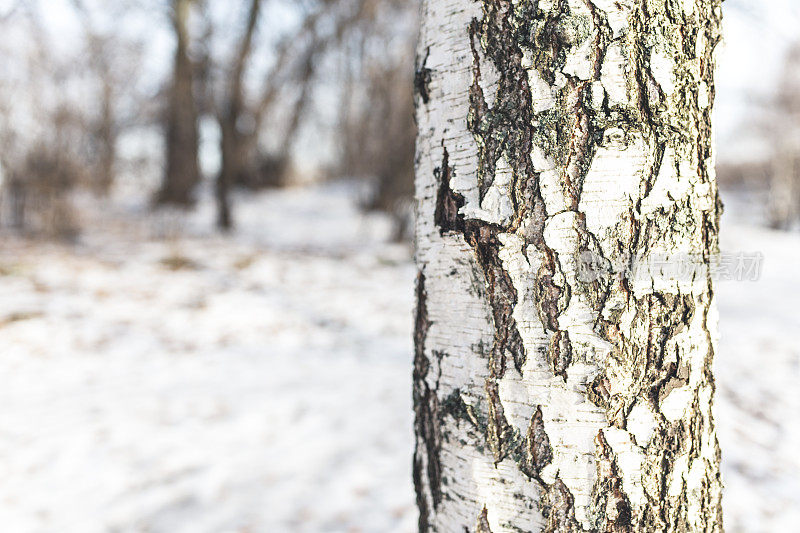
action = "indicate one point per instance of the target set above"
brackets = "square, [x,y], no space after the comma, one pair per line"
[758,377]
[158,377]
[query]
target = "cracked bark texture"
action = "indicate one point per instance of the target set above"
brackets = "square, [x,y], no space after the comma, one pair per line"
[549,397]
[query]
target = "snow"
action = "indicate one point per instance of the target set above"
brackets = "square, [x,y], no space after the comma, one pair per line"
[264,385]
[159,377]
[758,371]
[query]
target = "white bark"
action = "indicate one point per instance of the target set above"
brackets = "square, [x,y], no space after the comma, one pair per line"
[551,131]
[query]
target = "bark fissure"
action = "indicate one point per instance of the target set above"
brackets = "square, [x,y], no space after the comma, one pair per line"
[483,238]
[482,525]
[427,418]
[422,77]
[610,499]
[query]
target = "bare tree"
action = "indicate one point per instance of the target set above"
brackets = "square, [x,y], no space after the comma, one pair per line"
[105,123]
[241,118]
[233,140]
[287,88]
[377,136]
[562,378]
[42,134]
[258,128]
[377,130]
[784,133]
[182,171]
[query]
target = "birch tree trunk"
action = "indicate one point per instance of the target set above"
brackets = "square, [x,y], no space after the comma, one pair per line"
[552,396]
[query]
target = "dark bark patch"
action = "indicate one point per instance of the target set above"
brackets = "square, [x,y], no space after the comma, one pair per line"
[539,452]
[499,432]
[483,522]
[666,316]
[454,406]
[598,391]
[427,463]
[422,502]
[478,123]
[505,127]
[610,501]
[422,78]
[421,325]
[483,238]
[446,215]
[560,510]
[560,353]
[549,296]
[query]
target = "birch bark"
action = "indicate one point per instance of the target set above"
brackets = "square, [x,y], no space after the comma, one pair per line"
[563,373]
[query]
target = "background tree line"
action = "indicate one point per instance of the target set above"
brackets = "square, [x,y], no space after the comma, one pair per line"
[186,97]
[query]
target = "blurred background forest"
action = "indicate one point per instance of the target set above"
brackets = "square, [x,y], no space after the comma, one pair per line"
[206,263]
[193,98]
[180,101]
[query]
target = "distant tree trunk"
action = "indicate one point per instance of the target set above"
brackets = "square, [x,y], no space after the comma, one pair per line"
[182,146]
[784,196]
[107,139]
[233,142]
[230,148]
[784,188]
[103,130]
[17,198]
[562,143]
